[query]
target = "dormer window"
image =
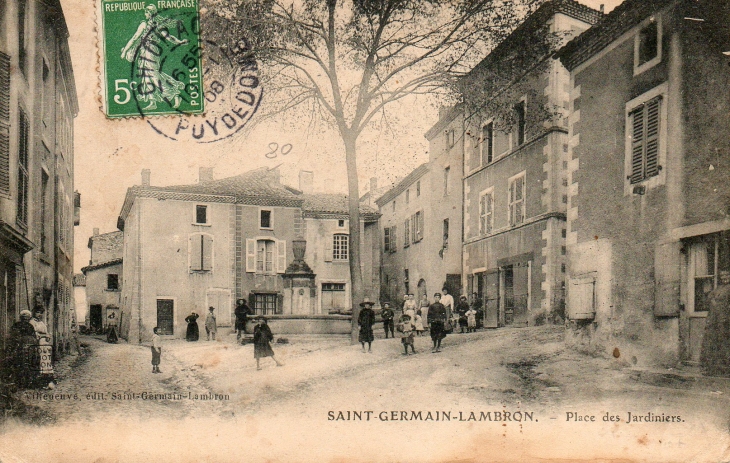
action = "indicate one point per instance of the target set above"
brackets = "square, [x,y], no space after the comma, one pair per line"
[648,46]
[201,214]
[266,219]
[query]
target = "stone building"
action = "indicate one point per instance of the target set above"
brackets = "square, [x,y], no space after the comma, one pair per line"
[649,177]
[189,247]
[38,206]
[103,280]
[514,169]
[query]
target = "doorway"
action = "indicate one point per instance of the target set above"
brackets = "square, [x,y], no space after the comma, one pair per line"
[95,318]
[165,313]
[516,284]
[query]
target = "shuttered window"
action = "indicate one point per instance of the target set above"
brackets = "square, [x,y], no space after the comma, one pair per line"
[487,143]
[645,126]
[486,206]
[417,227]
[4,124]
[23,153]
[407,233]
[517,200]
[386,239]
[201,252]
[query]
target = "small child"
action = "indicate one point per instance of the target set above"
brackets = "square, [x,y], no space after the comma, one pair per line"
[471,320]
[406,328]
[418,322]
[156,351]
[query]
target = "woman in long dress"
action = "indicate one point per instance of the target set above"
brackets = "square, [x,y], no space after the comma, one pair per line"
[193,332]
[144,49]
[44,350]
[365,320]
[262,338]
[21,347]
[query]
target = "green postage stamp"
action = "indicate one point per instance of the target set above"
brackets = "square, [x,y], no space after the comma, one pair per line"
[150,58]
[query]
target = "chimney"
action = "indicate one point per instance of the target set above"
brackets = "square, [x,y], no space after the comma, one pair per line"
[602,8]
[96,232]
[145,177]
[205,174]
[306,181]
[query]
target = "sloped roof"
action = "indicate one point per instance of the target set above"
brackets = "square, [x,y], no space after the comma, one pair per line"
[318,204]
[101,265]
[616,23]
[415,174]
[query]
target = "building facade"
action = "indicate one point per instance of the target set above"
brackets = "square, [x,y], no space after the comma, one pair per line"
[103,279]
[193,246]
[515,185]
[38,206]
[649,178]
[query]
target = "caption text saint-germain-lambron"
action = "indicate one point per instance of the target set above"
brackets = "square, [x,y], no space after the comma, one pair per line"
[428,415]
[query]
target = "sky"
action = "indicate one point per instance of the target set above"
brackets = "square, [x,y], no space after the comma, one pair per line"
[110,154]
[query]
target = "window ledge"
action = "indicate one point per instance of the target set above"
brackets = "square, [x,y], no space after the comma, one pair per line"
[113,290]
[201,224]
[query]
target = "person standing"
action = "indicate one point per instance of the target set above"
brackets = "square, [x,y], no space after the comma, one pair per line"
[156,349]
[262,338]
[471,320]
[210,324]
[406,327]
[387,315]
[436,318]
[448,302]
[409,306]
[21,346]
[241,312]
[461,309]
[44,349]
[418,322]
[424,308]
[365,321]
[476,304]
[715,351]
[193,332]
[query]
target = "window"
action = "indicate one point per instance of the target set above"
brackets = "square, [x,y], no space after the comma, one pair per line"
[408,196]
[390,239]
[23,152]
[417,226]
[340,247]
[22,54]
[112,282]
[201,214]
[4,123]
[486,209]
[266,219]
[201,252]
[648,47]
[517,200]
[406,281]
[520,114]
[386,239]
[488,143]
[265,303]
[44,211]
[265,256]
[418,188]
[708,256]
[446,234]
[341,223]
[407,233]
[450,138]
[447,171]
[333,297]
[645,127]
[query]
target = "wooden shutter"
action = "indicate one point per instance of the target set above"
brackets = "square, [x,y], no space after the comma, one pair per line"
[652,137]
[637,145]
[406,232]
[4,124]
[667,275]
[393,238]
[328,244]
[281,256]
[207,252]
[195,245]
[420,226]
[250,255]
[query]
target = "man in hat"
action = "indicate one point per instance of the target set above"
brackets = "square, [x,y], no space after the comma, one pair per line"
[242,311]
[387,315]
[436,319]
[365,322]
[210,323]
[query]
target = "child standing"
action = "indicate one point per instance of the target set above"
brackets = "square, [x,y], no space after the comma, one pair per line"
[406,328]
[471,320]
[418,322]
[210,324]
[156,351]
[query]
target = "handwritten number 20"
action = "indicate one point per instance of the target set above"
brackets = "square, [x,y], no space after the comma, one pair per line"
[274,147]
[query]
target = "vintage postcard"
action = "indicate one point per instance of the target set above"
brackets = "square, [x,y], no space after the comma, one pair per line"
[364,231]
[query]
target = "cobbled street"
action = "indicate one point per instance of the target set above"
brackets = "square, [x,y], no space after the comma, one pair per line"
[488,371]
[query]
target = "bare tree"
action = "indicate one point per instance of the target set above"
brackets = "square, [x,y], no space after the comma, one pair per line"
[344,62]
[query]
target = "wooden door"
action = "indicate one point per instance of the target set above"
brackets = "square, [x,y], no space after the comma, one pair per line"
[491,299]
[165,314]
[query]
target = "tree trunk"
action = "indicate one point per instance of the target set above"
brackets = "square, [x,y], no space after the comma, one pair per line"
[353,194]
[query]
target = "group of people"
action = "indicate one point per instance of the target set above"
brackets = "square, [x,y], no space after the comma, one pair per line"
[30,351]
[441,317]
[262,335]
